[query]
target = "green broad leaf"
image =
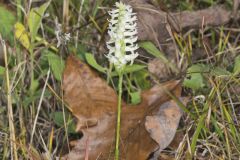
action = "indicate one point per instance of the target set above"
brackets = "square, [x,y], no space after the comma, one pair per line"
[236,69]
[58,119]
[134,68]
[195,79]
[36,95]
[2,70]
[92,62]
[35,18]
[56,64]
[153,50]
[135,97]
[195,82]
[7,21]
[218,71]
[130,69]
[34,85]
[141,78]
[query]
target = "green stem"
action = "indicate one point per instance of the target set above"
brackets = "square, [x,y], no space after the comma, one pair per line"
[118,116]
[109,73]
[31,70]
[19,12]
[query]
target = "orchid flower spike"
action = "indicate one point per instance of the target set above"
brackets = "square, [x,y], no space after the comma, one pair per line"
[123,36]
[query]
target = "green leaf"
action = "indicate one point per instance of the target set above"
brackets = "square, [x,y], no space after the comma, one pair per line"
[130,69]
[35,18]
[218,71]
[92,62]
[141,78]
[59,121]
[135,97]
[35,96]
[134,68]
[195,82]
[7,21]
[153,50]
[34,85]
[236,69]
[57,65]
[197,132]
[2,70]
[195,79]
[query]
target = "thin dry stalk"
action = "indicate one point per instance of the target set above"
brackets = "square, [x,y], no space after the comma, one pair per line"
[65,14]
[39,107]
[78,23]
[9,105]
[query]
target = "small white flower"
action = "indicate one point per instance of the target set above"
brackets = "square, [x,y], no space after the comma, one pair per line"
[46,15]
[200,98]
[123,36]
[62,38]
[67,36]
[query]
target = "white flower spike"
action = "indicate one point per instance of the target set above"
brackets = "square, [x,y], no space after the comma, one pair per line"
[123,36]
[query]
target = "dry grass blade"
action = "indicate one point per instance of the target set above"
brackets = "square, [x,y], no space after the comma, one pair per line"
[13,145]
[65,14]
[39,107]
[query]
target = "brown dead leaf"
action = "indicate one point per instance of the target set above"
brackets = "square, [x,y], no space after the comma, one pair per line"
[159,68]
[213,16]
[162,125]
[94,104]
[84,90]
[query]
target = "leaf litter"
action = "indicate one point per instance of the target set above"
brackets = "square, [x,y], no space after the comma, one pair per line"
[147,128]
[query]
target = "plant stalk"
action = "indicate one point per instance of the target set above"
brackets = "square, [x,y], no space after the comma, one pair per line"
[13,145]
[118,116]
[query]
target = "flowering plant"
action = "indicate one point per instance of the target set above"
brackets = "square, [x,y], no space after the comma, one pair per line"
[122,46]
[123,36]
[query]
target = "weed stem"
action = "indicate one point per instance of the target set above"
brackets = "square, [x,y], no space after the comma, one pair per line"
[118,116]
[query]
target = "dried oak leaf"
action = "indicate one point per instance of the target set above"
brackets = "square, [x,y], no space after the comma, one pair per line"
[157,125]
[94,103]
[84,90]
